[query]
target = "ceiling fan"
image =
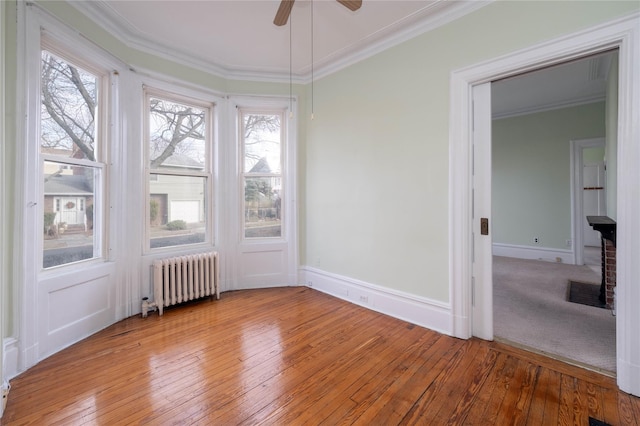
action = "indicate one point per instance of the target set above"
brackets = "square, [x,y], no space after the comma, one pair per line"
[282,15]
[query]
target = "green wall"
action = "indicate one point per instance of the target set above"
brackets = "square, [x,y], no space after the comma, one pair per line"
[531,180]
[377,183]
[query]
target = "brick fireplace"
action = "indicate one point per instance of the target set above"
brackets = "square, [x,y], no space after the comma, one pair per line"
[607,228]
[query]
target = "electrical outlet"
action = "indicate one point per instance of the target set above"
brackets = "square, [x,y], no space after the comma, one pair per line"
[536,240]
[364,299]
[309,283]
[569,243]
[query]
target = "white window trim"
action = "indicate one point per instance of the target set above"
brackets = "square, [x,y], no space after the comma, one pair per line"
[202,99]
[74,54]
[231,176]
[33,22]
[284,144]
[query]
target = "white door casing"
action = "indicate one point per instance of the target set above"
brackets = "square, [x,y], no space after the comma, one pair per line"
[623,34]
[593,199]
[482,288]
[578,215]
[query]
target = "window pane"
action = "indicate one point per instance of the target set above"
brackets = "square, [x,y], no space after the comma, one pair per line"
[68,109]
[176,136]
[69,193]
[262,143]
[177,213]
[262,207]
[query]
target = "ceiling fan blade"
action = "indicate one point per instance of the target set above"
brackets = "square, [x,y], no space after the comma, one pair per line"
[282,15]
[351,4]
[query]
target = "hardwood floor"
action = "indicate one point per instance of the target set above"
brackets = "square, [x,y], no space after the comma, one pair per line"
[294,356]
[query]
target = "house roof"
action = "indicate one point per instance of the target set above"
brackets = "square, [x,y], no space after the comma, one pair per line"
[178,160]
[58,184]
[262,166]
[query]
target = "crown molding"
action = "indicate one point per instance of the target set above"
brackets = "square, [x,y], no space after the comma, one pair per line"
[429,18]
[432,16]
[548,107]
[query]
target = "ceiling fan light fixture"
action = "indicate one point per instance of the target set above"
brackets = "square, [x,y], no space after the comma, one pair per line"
[284,10]
[352,5]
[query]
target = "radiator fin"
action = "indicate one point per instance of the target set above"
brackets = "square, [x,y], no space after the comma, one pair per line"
[184,278]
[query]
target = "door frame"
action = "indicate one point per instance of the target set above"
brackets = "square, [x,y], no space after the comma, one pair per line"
[3,214]
[577,208]
[622,34]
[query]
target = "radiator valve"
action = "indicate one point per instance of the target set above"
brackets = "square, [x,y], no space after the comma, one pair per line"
[147,306]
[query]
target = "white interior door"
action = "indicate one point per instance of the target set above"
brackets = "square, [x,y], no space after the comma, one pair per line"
[593,199]
[482,271]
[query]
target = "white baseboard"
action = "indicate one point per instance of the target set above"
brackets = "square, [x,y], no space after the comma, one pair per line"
[10,353]
[535,253]
[421,311]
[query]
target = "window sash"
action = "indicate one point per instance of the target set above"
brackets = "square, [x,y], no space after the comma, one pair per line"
[96,237]
[154,178]
[271,214]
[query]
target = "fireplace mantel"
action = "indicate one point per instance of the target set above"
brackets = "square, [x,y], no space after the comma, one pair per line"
[605,225]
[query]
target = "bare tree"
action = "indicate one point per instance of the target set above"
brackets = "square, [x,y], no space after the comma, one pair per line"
[68,107]
[176,129]
[259,130]
[69,103]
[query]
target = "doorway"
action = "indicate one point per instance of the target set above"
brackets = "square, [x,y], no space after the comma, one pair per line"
[538,158]
[589,190]
[619,34]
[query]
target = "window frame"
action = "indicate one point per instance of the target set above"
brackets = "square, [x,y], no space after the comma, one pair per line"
[105,83]
[243,175]
[180,96]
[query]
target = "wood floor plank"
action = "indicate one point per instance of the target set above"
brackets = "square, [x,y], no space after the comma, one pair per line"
[487,407]
[389,386]
[627,409]
[517,401]
[567,400]
[610,406]
[452,379]
[298,360]
[320,396]
[257,397]
[543,408]
[297,356]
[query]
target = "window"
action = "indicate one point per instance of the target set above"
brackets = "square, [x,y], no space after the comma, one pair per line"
[179,169]
[72,159]
[262,146]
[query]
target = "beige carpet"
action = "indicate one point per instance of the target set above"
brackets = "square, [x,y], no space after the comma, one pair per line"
[531,309]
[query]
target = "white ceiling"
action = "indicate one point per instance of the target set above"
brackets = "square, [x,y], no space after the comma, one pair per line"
[577,82]
[237,39]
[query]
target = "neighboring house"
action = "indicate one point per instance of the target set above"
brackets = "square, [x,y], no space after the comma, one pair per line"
[69,196]
[176,199]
